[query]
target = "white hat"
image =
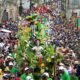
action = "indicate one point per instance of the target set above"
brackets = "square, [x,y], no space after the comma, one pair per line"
[10,54]
[61,64]
[46,74]
[9,57]
[29,78]
[26,68]
[61,68]
[76,62]
[11,64]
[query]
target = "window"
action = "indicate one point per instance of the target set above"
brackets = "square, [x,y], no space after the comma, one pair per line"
[74,4]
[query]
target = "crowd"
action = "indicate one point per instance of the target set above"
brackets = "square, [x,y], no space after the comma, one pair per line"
[62,36]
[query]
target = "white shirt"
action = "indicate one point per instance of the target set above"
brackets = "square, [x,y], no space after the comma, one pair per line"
[38,49]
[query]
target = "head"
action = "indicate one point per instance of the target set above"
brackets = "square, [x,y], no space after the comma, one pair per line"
[11,65]
[61,70]
[38,42]
[45,76]
[27,70]
[12,77]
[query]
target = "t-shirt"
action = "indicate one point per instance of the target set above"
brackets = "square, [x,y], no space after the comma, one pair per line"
[31,76]
[23,76]
[73,77]
[49,78]
[38,49]
[14,70]
[65,76]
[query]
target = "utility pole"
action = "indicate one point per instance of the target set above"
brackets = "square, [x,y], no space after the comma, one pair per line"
[30,4]
[20,8]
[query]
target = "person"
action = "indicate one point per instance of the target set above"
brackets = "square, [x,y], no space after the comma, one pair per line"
[12,68]
[12,77]
[25,74]
[45,76]
[64,75]
[5,16]
[38,49]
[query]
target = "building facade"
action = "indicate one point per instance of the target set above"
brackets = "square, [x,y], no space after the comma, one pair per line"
[72,6]
[11,6]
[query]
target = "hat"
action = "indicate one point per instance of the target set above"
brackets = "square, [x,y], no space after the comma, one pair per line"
[29,78]
[61,64]
[26,69]
[61,68]
[10,64]
[9,57]
[76,62]
[5,76]
[46,74]
[6,69]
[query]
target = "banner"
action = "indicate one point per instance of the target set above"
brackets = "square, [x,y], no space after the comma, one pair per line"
[78,23]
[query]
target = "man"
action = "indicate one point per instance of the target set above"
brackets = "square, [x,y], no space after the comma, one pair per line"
[25,74]
[63,73]
[45,76]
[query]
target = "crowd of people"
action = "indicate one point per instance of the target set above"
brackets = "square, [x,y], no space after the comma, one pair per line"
[61,34]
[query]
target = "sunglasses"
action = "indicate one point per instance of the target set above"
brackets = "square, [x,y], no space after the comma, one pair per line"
[12,77]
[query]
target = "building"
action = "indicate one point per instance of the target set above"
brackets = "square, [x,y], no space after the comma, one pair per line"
[11,6]
[72,6]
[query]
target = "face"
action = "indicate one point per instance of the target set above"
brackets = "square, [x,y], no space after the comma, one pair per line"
[38,42]
[12,77]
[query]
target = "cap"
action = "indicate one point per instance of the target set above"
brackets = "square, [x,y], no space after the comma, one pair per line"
[6,69]
[5,76]
[9,57]
[26,69]
[29,78]
[10,64]
[61,68]
[46,74]
[61,64]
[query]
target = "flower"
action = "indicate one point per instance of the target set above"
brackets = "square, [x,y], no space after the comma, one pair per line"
[42,71]
[48,59]
[42,65]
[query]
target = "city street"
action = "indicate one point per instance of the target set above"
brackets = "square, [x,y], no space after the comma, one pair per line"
[39,39]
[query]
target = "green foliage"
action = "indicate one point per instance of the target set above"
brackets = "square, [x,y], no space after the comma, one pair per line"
[24,51]
[49,51]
